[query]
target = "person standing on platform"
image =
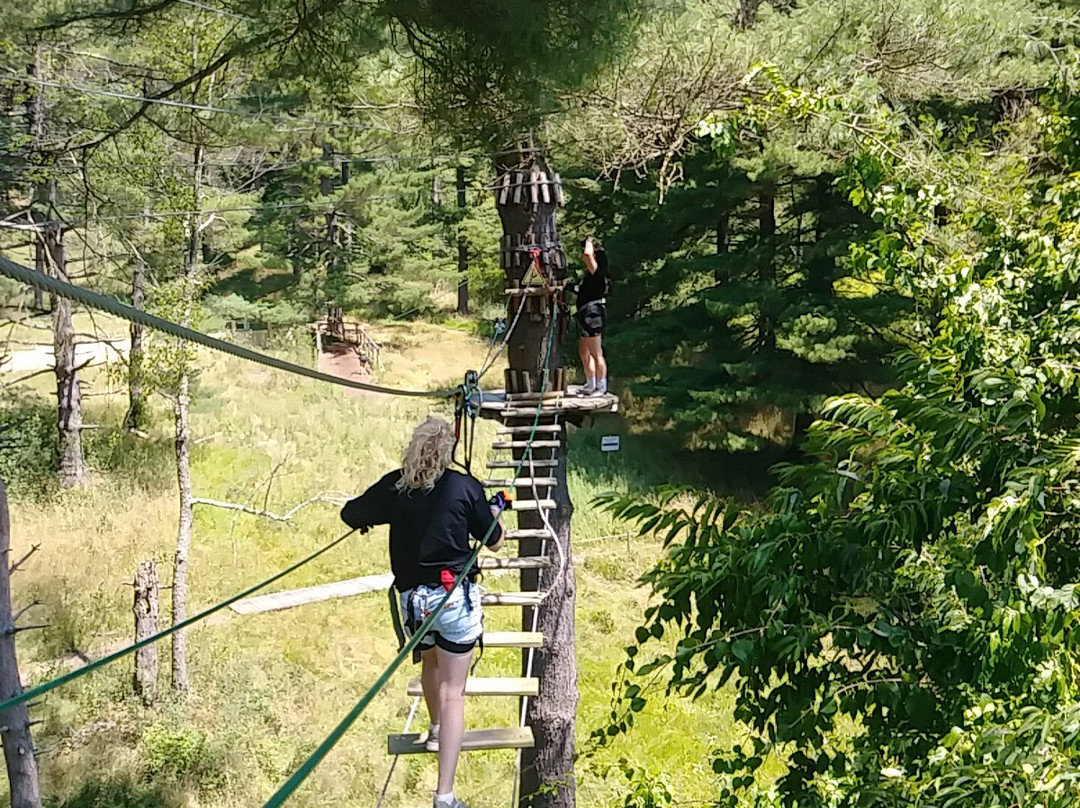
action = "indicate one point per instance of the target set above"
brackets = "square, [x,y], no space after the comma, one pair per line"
[591,317]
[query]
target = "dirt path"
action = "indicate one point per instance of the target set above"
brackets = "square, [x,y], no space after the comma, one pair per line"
[41,356]
[341,361]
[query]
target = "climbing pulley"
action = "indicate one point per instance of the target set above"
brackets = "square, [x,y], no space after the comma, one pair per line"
[467,401]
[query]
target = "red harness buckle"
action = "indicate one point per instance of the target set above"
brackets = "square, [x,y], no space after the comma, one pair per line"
[446,577]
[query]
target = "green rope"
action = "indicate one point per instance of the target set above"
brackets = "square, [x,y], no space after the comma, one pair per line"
[40,280]
[41,689]
[316,757]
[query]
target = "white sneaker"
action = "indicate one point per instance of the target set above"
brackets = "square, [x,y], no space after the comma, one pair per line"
[587,389]
[454,803]
[600,389]
[430,739]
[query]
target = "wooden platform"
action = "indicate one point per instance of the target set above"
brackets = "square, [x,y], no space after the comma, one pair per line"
[513,639]
[497,404]
[514,563]
[475,739]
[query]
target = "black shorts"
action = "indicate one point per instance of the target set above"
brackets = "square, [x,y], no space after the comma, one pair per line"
[591,319]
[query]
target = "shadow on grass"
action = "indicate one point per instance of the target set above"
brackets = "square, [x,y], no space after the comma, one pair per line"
[245,284]
[648,460]
[118,793]
[149,463]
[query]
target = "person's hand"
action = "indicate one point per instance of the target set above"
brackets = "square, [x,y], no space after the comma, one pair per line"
[589,249]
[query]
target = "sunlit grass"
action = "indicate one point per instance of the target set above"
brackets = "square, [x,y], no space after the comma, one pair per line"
[267,688]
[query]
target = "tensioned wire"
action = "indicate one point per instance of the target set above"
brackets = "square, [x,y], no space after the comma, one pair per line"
[111,305]
[316,757]
[52,684]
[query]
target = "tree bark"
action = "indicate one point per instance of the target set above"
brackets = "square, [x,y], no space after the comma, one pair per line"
[146,625]
[35,113]
[746,12]
[19,753]
[527,211]
[180,681]
[819,271]
[462,248]
[72,465]
[723,244]
[136,403]
[767,246]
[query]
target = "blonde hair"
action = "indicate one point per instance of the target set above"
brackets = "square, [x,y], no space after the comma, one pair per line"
[430,452]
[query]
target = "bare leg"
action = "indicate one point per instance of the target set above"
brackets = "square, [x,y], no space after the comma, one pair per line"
[453,671]
[587,363]
[598,358]
[429,680]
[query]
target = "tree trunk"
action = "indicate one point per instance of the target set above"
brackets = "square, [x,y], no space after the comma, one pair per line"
[146,625]
[723,244]
[71,466]
[745,15]
[35,113]
[820,268]
[462,248]
[183,443]
[767,246]
[19,753]
[527,210]
[136,403]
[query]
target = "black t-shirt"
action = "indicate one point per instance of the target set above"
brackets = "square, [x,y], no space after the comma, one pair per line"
[429,530]
[594,286]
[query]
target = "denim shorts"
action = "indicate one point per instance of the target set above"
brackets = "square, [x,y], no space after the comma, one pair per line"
[459,625]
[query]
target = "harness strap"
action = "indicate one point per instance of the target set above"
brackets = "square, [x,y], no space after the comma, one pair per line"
[395,616]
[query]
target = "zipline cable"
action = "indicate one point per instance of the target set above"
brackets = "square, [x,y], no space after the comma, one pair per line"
[52,684]
[316,757]
[40,280]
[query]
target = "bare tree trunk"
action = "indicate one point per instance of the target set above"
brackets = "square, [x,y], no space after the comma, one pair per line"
[462,248]
[146,625]
[136,402]
[72,466]
[35,112]
[19,753]
[527,210]
[767,241]
[180,680]
[745,15]
[723,243]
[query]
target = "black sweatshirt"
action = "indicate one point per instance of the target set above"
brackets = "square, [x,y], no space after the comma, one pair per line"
[594,286]
[429,530]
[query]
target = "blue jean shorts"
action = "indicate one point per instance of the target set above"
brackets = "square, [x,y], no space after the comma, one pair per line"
[459,625]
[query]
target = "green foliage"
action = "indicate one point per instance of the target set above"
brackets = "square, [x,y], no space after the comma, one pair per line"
[27,443]
[899,623]
[179,752]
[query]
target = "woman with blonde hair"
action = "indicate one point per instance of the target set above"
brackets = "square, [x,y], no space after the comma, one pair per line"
[432,511]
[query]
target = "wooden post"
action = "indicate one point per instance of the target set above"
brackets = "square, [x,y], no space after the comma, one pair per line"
[19,753]
[462,248]
[146,625]
[527,204]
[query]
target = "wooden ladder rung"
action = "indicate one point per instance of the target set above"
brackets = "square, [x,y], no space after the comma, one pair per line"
[513,563]
[513,639]
[489,686]
[526,444]
[474,740]
[528,430]
[521,482]
[533,505]
[513,464]
[512,599]
[526,533]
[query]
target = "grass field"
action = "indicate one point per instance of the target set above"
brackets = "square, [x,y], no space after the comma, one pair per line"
[268,688]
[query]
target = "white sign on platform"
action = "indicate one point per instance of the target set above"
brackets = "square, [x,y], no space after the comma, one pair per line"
[609,443]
